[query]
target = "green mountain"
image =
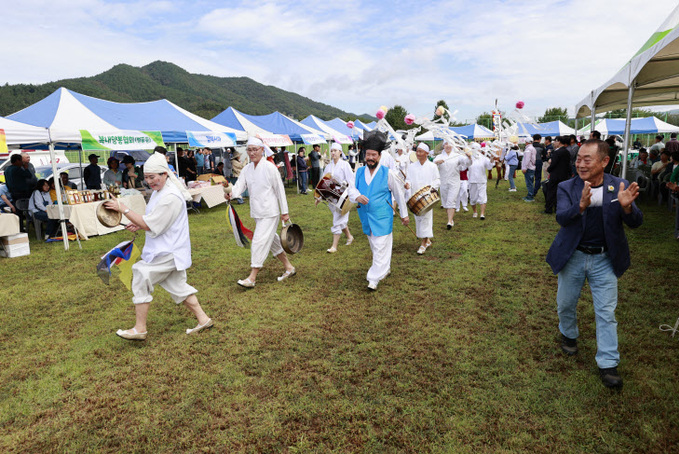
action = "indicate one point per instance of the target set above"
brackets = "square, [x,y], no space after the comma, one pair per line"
[203,95]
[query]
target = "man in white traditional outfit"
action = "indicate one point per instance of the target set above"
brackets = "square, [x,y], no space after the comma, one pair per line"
[450,164]
[402,161]
[341,171]
[423,173]
[373,192]
[478,181]
[388,161]
[267,203]
[167,251]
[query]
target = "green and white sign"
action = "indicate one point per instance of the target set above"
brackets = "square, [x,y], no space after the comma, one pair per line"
[121,140]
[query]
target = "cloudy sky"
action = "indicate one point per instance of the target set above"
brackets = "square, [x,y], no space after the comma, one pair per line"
[355,55]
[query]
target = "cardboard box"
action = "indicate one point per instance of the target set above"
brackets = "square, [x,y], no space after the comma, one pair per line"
[19,238]
[213,178]
[15,250]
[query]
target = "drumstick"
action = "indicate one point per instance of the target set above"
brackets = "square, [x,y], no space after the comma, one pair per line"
[392,207]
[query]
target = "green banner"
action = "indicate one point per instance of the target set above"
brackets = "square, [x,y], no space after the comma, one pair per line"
[121,140]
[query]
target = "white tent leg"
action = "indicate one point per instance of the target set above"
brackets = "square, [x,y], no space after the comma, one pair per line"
[628,124]
[60,202]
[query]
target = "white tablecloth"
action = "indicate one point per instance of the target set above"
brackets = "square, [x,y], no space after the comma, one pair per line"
[9,224]
[212,195]
[84,215]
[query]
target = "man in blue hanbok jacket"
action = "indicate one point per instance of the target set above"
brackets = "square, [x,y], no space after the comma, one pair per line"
[373,191]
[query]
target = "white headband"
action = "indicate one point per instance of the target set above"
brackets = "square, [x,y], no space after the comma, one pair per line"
[423,146]
[157,163]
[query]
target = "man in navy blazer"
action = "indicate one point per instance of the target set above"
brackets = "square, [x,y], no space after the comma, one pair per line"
[591,245]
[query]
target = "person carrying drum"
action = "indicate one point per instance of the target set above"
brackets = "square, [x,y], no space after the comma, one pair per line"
[373,191]
[267,202]
[450,164]
[340,171]
[424,174]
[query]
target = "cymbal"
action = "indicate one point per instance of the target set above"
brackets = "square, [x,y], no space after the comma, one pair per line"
[109,218]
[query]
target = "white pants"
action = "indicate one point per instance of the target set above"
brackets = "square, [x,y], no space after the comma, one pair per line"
[265,240]
[424,225]
[381,249]
[464,194]
[339,221]
[162,271]
[449,194]
[477,193]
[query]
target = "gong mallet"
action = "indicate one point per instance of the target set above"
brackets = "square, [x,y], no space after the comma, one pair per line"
[397,214]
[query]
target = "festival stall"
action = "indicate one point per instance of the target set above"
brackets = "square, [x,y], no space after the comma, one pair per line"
[365,127]
[345,127]
[650,78]
[162,115]
[337,135]
[473,131]
[616,126]
[236,120]
[278,123]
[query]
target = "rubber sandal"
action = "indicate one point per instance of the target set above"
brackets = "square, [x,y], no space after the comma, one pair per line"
[247,283]
[131,334]
[287,274]
[200,327]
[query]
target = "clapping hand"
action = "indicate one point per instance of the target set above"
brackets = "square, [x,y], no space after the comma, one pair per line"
[586,198]
[627,196]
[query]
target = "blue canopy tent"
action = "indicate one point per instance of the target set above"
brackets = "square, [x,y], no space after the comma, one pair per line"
[550,128]
[366,127]
[342,135]
[474,131]
[355,133]
[278,123]
[171,120]
[236,120]
[647,125]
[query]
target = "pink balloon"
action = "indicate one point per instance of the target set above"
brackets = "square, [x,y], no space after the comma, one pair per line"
[380,114]
[350,124]
[409,119]
[519,105]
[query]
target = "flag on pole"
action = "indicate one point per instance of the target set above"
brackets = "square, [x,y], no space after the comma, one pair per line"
[240,232]
[124,255]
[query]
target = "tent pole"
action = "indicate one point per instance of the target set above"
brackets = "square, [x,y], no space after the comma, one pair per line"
[593,111]
[294,150]
[176,159]
[628,124]
[58,188]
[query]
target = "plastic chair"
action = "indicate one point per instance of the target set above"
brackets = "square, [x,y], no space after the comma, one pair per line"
[37,225]
[24,215]
[644,184]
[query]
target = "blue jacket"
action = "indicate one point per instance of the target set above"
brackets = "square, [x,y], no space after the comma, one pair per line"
[573,223]
[377,217]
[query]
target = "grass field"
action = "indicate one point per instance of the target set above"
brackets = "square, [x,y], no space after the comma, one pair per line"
[457,351]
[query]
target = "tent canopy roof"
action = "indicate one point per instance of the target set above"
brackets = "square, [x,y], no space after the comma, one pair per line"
[655,67]
[17,133]
[616,126]
[67,112]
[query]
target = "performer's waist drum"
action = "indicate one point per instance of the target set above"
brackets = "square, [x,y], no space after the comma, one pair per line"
[333,192]
[423,201]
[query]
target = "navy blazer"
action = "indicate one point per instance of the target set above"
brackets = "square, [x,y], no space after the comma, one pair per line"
[573,223]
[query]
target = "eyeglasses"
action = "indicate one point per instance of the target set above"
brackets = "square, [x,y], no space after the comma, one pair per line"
[252,150]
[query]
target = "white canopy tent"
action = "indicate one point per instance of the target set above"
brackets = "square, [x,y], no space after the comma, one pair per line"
[650,78]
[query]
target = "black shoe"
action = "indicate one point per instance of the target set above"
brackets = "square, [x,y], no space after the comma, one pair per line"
[610,377]
[569,346]
[547,211]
